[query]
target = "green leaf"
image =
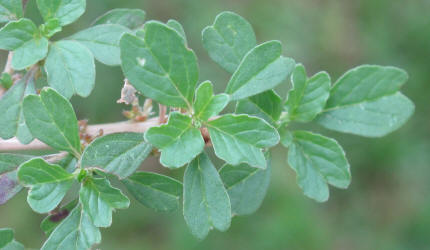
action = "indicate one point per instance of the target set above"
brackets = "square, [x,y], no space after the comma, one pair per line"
[318,161]
[99,199]
[179,141]
[51,119]
[49,224]
[51,27]
[228,40]
[103,41]
[241,138]
[66,11]
[206,104]
[155,191]
[267,105]
[286,137]
[69,163]
[24,39]
[48,184]
[10,10]
[206,202]
[9,185]
[130,18]
[70,68]
[370,118]
[6,236]
[160,66]
[308,96]
[246,186]
[75,232]
[120,154]
[178,27]
[14,245]
[12,120]
[263,68]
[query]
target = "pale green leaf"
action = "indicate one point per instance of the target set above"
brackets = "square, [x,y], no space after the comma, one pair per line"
[155,191]
[70,68]
[318,161]
[206,202]
[48,184]
[206,104]
[240,139]
[103,41]
[130,18]
[160,66]
[246,186]
[286,136]
[369,118]
[262,68]
[178,27]
[49,224]
[228,40]
[76,232]
[66,11]
[6,236]
[99,199]
[10,10]
[12,121]
[308,96]
[365,83]
[24,38]
[178,140]
[51,119]
[120,154]
[267,105]
[14,245]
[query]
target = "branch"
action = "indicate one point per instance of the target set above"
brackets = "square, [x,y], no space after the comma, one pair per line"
[93,130]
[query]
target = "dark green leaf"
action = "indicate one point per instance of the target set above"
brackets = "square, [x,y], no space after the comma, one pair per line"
[48,184]
[119,154]
[99,199]
[49,224]
[267,105]
[241,138]
[318,161]
[206,104]
[308,96]
[6,237]
[130,18]
[179,141]
[10,10]
[103,41]
[70,68]
[262,69]
[160,66]
[24,39]
[66,11]
[12,120]
[76,232]
[246,186]
[51,119]
[206,202]
[228,40]
[155,191]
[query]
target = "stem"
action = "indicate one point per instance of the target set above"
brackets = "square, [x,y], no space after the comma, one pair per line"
[108,128]
[162,114]
[8,67]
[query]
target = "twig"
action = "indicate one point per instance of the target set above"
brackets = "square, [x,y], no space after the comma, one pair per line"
[109,128]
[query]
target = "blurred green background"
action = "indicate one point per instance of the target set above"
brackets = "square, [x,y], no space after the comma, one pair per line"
[388,203]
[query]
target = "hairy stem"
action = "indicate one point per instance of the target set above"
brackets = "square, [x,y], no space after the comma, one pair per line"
[94,130]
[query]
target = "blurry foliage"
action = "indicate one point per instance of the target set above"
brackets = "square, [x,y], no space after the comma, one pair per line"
[386,207]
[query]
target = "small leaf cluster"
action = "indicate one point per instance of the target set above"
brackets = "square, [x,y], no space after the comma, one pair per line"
[156,60]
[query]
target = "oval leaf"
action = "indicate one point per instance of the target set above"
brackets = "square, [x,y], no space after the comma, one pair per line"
[206,104]
[228,40]
[120,154]
[66,11]
[206,202]
[318,161]
[263,68]
[267,105]
[155,191]
[130,18]
[10,10]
